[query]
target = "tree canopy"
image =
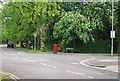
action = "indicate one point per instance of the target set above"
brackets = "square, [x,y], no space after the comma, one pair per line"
[73,25]
[61,21]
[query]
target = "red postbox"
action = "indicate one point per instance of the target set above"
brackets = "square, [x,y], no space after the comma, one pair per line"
[55,48]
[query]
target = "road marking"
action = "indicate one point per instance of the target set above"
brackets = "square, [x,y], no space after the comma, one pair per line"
[11,75]
[109,60]
[28,60]
[74,63]
[4,51]
[74,72]
[78,73]
[48,65]
[82,62]
[32,60]
[90,77]
[43,64]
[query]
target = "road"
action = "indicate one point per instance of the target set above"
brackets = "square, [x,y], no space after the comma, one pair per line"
[51,66]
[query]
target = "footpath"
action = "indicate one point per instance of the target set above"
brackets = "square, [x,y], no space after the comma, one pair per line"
[110,64]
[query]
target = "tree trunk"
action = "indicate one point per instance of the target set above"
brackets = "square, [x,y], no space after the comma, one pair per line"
[21,44]
[27,44]
[42,30]
[43,48]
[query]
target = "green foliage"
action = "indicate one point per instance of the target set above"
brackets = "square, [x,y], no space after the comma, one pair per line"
[117,21]
[43,48]
[27,18]
[62,21]
[60,49]
[74,25]
[99,46]
[3,78]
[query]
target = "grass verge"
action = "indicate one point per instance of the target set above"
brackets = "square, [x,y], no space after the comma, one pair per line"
[3,78]
[103,54]
[28,50]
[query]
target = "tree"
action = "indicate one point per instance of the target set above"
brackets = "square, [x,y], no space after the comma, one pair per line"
[73,25]
[28,18]
[117,23]
[17,21]
[44,14]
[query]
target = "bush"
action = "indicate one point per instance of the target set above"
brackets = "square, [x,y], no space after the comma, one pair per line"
[59,49]
[43,48]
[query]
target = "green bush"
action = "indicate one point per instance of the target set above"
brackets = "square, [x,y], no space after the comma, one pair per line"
[59,49]
[43,48]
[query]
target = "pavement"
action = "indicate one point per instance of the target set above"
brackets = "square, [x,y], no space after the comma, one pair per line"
[110,64]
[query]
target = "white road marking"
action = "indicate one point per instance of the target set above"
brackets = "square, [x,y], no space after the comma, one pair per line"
[28,60]
[32,60]
[74,63]
[90,77]
[78,73]
[52,66]
[48,65]
[109,60]
[43,64]
[4,51]
[74,72]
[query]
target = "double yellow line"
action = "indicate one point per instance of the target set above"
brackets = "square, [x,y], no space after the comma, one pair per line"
[11,76]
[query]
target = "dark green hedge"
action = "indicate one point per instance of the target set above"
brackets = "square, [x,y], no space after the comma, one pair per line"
[99,46]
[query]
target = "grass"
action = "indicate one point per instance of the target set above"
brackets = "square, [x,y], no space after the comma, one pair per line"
[3,78]
[38,51]
[28,50]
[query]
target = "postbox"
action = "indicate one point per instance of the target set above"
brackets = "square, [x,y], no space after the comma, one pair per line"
[55,47]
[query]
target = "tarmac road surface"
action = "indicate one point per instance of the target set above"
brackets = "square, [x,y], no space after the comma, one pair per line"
[51,66]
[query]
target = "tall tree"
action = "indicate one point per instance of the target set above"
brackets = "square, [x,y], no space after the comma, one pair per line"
[28,18]
[45,13]
[72,26]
